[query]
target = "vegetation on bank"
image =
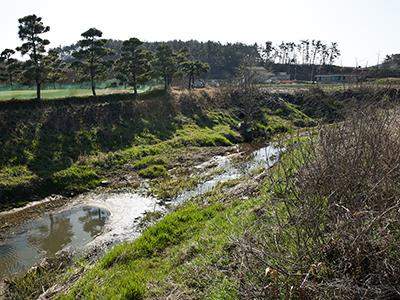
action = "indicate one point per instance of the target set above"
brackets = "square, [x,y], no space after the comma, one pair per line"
[67,147]
[306,231]
[70,146]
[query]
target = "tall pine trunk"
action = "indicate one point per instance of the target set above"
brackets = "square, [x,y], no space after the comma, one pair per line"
[93,87]
[38,83]
[93,83]
[135,89]
[38,86]
[134,81]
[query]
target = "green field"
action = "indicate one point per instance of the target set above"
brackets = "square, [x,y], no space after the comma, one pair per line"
[57,93]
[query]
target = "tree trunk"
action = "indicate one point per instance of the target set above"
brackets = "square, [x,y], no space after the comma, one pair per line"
[38,84]
[93,83]
[165,83]
[93,86]
[135,89]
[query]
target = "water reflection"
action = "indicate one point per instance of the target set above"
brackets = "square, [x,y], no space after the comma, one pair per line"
[93,221]
[54,237]
[45,237]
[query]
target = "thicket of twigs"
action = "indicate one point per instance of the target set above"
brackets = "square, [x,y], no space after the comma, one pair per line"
[332,228]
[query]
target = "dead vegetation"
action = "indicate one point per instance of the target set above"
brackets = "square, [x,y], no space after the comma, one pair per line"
[332,228]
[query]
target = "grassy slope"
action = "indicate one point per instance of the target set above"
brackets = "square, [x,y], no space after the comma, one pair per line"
[73,148]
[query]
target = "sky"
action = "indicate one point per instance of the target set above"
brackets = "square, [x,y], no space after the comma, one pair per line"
[365,29]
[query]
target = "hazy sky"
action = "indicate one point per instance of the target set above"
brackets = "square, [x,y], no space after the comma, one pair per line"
[363,28]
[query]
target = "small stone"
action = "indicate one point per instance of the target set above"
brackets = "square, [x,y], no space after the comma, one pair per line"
[105,183]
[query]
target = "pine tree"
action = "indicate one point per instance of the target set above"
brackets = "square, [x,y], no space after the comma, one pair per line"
[91,54]
[135,63]
[30,29]
[10,66]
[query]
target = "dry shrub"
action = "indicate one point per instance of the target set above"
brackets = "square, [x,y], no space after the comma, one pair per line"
[332,230]
[357,162]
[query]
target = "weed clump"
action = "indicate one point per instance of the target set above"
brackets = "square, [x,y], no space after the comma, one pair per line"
[76,178]
[153,171]
[331,229]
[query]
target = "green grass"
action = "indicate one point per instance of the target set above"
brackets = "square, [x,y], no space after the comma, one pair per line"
[16,176]
[124,271]
[193,135]
[17,181]
[77,178]
[59,174]
[54,94]
[153,171]
[149,161]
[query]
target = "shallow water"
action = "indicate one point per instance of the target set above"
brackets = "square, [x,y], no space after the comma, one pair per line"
[125,209]
[264,157]
[102,219]
[45,236]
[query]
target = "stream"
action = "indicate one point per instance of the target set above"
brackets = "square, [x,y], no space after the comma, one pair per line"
[94,220]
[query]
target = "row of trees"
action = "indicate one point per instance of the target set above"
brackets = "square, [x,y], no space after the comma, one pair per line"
[305,52]
[223,59]
[92,58]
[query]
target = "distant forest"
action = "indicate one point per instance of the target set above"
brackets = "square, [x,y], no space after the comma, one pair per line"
[297,59]
[224,59]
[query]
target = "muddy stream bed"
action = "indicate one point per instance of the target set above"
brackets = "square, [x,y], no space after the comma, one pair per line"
[99,220]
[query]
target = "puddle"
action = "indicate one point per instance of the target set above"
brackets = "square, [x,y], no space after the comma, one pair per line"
[49,234]
[125,209]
